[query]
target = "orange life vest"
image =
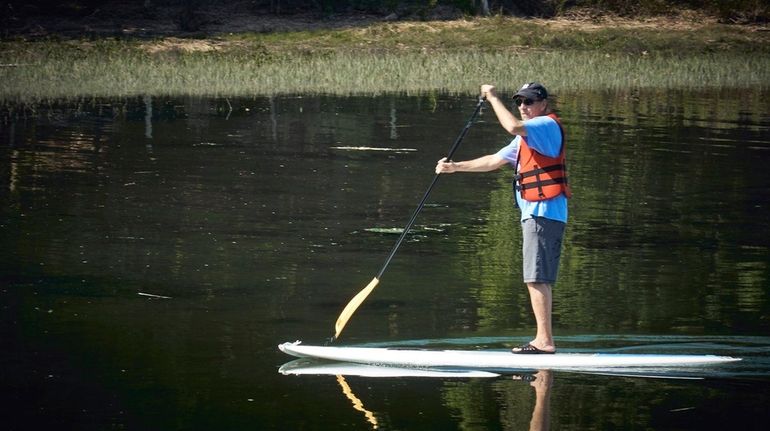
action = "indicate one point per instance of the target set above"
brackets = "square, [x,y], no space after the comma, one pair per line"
[541,177]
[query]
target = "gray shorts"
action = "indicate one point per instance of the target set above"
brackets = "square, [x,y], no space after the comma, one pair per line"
[541,247]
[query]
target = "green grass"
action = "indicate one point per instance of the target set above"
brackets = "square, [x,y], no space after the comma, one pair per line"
[405,57]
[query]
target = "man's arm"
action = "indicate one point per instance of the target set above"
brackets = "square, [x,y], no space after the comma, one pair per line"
[510,123]
[487,163]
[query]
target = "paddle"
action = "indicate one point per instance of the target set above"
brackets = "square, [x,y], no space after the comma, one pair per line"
[354,303]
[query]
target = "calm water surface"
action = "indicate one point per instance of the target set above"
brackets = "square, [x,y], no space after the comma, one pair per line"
[156,251]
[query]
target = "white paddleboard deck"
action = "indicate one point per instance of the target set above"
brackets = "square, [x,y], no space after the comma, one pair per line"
[495,359]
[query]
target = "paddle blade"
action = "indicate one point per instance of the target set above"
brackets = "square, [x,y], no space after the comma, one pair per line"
[349,309]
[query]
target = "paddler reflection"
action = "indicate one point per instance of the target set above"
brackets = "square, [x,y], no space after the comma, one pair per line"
[462,391]
[542,381]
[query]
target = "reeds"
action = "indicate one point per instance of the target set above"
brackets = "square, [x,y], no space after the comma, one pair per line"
[46,70]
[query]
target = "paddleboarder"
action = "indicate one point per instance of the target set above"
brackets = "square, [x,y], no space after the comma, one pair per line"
[537,152]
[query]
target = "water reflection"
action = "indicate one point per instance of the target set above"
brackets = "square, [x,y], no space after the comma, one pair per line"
[357,403]
[257,218]
[527,399]
[541,413]
[541,382]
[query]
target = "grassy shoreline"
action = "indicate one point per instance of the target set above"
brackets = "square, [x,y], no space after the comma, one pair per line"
[410,57]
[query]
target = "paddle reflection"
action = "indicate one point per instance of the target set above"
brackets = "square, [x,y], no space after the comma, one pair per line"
[357,403]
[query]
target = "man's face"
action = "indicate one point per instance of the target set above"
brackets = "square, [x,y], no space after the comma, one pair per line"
[529,108]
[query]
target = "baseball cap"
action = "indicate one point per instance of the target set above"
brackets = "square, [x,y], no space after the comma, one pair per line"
[532,90]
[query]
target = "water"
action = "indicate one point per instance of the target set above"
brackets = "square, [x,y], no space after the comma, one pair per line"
[156,251]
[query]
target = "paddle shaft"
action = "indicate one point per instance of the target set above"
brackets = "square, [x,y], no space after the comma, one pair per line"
[354,303]
[451,153]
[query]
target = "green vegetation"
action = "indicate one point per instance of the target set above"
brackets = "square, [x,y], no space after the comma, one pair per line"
[450,56]
[513,34]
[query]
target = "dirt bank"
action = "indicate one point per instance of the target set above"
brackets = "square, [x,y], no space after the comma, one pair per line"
[131,19]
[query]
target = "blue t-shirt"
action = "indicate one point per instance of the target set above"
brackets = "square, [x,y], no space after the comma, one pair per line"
[543,136]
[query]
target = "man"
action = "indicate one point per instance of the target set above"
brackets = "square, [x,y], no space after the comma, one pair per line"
[538,154]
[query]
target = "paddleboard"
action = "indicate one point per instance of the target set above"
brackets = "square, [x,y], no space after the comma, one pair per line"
[491,360]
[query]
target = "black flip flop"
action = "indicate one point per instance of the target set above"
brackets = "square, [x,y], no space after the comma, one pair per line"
[528,349]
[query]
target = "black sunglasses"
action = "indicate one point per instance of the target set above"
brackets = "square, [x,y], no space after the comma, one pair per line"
[521,101]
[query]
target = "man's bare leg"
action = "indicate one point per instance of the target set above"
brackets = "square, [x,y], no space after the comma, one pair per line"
[540,294]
